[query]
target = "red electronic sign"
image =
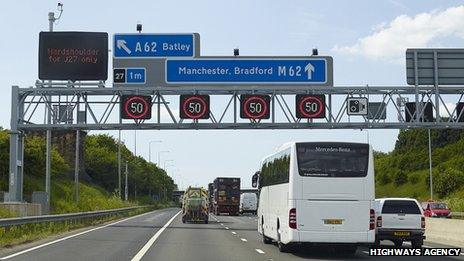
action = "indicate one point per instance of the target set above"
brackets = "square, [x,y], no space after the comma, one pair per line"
[194,107]
[135,107]
[310,106]
[255,106]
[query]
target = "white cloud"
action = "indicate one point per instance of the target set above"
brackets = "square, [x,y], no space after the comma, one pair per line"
[390,41]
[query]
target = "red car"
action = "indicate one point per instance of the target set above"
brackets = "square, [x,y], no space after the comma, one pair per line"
[436,209]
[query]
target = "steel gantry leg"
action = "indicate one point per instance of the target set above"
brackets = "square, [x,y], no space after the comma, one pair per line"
[15,193]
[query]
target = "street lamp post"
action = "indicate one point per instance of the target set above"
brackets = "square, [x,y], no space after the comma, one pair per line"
[164,165]
[149,148]
[159,156]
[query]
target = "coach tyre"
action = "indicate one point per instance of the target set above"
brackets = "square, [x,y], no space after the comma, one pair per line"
[417,243]
[398,243]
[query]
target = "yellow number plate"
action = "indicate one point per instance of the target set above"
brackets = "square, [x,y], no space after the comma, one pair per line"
[401,233]
[332,221]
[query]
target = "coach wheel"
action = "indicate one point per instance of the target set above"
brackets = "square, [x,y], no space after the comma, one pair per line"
[398,242]
[417,243]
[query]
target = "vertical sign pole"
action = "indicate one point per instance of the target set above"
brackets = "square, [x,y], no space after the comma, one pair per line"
[119,164]
[15,189]
[235,107]
[430,166]
[437,115]
[273,107]
[416,86]
[126,189]
[48,158]
[330,108]
[437,94]
[76,169]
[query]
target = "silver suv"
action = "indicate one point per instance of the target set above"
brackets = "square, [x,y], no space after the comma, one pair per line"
[399,220]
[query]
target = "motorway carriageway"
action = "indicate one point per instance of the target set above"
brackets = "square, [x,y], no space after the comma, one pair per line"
[161,235]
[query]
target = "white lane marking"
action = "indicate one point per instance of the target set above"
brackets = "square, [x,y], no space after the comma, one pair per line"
[68,237]
[249,217]
[151,219]
[222,224]
[409,243]
[243,239]
[152,240]
[227,228]
[365,252]
[233,232]
[259,251]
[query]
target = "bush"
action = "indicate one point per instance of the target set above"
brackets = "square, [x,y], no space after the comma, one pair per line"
[447,181]
[384,179]
[413,178]
[400,178]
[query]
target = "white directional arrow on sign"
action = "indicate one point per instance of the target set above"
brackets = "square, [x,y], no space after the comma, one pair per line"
[122,44]
[309,69]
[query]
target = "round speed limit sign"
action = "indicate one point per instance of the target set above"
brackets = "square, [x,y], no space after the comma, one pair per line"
[254,106]
[194,107]
[136,107]
[310,106]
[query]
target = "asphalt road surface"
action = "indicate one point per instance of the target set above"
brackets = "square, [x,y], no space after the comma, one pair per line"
[161,235]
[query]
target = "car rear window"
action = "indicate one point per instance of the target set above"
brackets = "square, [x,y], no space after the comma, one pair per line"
[400,207]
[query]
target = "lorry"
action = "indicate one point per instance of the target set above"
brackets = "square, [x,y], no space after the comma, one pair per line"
[226,193]
[195,205]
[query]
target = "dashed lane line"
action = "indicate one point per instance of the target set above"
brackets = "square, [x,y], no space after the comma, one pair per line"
[233,232]
[259,251]
[227,228]
[244,240]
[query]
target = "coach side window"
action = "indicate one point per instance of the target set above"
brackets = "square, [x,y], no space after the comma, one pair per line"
[275,170]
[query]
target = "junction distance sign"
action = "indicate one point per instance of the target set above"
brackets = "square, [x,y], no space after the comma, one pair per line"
[261,71]
[135,107]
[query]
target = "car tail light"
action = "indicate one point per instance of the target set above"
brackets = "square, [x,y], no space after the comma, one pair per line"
[422,222]
[292,218]
[372,220]
[379,221]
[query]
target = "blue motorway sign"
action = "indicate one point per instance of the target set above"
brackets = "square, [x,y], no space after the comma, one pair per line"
[310,70]
[153,45]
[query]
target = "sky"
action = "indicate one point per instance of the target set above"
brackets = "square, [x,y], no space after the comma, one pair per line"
[366,38]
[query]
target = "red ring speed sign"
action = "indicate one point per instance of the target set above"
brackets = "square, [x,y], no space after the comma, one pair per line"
[263,100]
[136,107]
[313,99]
[195,114]
[317,103]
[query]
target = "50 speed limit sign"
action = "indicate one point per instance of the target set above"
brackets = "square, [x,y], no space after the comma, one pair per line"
[310,106]
[255,106]
[135,107]
[194,107]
